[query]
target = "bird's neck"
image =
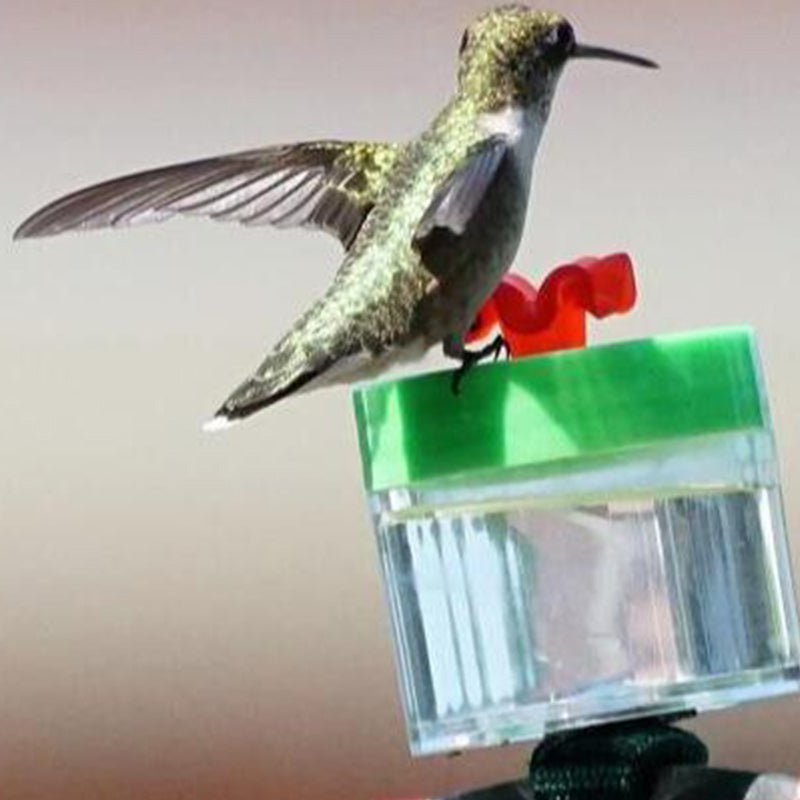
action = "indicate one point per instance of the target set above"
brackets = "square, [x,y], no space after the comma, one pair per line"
[521,127]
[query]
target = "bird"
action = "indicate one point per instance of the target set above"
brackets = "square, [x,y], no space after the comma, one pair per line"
[428,226]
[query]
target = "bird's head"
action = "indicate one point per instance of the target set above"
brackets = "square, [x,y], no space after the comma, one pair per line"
[514,55]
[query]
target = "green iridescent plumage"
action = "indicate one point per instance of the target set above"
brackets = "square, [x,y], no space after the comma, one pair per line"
[429,226]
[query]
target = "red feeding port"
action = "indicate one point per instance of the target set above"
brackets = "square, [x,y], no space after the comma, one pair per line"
[554,316]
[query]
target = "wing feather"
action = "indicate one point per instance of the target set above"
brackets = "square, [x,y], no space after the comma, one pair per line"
[325,185]
[459,196]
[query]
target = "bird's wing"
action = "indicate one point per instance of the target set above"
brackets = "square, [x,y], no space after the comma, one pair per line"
[455,202]
[326,185]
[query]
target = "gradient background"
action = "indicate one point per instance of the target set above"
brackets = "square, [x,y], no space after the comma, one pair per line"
[195,616]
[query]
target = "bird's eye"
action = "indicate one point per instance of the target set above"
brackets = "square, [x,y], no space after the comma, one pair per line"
[464,42]
[559,42]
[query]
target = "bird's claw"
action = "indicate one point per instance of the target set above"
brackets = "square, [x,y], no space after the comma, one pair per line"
[471,357]
[501,348]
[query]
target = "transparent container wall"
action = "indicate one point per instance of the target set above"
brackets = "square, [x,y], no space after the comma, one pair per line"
[581,537]
[531,606]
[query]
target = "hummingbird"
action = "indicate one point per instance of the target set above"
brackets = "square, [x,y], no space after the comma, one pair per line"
[428,226]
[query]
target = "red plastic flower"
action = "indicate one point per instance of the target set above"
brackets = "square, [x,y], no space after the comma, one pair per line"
[554,316]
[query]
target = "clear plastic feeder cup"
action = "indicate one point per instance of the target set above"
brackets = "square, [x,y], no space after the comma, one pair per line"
[580,538]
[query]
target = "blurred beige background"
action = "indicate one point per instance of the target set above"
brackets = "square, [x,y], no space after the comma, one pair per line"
[195,616]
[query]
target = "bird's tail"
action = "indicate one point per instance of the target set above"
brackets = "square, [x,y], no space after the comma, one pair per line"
[286,370]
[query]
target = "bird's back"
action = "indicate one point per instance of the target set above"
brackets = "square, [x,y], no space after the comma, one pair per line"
[382,280]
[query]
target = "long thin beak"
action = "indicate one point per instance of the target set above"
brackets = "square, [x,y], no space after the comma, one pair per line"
[590,51]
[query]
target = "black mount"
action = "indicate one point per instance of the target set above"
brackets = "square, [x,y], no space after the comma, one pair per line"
[642,759]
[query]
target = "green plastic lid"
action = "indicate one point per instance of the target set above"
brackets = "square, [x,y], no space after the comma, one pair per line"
[568,406]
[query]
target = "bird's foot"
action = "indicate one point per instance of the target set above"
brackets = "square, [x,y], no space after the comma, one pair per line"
[469,358]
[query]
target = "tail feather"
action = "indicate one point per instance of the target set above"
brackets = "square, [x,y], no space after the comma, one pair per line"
[281,374]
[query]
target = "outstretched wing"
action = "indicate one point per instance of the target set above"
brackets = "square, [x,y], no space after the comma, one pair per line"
[325,185]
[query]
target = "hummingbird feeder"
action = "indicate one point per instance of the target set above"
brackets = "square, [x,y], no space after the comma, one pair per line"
[582,536]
